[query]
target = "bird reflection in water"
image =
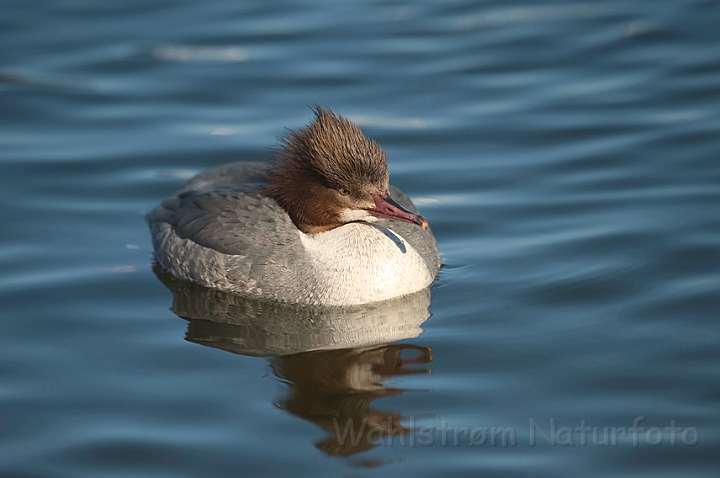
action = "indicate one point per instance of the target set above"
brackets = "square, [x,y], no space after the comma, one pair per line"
[334,389]
[333,360]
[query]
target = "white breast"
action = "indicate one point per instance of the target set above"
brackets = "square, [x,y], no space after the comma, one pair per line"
[361,262]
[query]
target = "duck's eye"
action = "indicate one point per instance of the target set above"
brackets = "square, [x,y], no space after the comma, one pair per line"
[344,192]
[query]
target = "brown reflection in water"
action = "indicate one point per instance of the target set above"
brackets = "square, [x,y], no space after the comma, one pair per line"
[334,389]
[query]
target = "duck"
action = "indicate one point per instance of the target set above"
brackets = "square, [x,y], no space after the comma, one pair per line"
[321,225]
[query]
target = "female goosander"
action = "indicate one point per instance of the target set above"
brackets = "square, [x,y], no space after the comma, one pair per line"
[319,227]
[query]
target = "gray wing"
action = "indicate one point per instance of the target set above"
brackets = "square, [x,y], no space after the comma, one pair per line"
[219,232]
[221,210]
[230,221]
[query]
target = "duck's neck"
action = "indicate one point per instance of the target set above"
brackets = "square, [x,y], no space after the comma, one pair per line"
[303,199]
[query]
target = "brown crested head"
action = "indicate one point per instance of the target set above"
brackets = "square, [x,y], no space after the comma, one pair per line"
[329,173]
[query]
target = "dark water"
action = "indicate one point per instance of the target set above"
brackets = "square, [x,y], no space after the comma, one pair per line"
[566,155]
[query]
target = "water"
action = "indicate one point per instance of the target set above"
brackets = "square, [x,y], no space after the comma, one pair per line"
[565,154]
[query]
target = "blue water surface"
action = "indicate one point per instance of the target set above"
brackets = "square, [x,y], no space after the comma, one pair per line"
[566,155]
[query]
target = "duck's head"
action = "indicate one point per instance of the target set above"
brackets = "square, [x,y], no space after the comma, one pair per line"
[328,174]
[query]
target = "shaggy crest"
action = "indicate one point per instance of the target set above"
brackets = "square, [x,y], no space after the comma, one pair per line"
[333,148]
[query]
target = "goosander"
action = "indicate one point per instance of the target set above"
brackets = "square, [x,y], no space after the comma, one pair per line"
[321,226]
